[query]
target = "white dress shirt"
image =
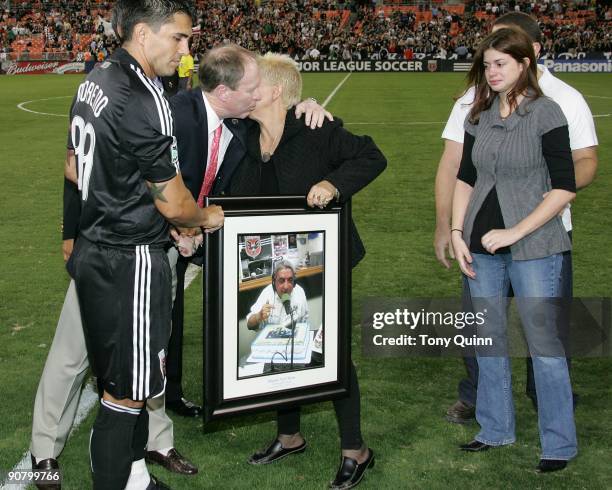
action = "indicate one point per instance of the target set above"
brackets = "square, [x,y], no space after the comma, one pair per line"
[226,135]
[278,315]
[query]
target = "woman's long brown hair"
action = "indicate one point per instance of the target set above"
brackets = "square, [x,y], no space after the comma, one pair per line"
[516,43]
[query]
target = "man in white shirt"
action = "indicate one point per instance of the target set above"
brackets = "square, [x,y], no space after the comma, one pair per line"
[583,142]
[280,302]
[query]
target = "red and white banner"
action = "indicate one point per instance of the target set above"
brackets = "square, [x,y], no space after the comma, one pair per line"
[42,67]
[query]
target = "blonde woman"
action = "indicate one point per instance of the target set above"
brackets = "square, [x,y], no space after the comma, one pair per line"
[284,156]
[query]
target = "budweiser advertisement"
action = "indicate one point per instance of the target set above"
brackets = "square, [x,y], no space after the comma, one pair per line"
[42,67]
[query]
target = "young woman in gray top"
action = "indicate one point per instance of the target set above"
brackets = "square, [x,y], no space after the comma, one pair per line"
[516,175]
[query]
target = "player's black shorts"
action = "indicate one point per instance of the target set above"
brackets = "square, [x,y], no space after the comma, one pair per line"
[126,305]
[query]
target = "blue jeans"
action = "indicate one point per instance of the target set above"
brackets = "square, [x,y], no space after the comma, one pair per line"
[532,282]
[467,386]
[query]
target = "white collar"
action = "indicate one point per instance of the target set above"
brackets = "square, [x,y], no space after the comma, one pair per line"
[213,121]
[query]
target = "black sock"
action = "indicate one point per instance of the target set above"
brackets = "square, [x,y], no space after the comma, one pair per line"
[111,442]
[141,435]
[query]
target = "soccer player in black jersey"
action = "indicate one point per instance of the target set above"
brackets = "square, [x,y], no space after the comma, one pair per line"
[122,133]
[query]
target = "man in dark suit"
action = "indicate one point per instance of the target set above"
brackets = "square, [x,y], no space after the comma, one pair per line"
[209,125]
[211,144]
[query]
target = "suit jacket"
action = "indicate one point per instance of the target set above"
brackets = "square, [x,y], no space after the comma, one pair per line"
[304,157]
[191,130]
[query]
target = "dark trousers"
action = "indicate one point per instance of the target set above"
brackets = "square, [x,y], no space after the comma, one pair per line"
[469,385]
[347,414]
[174,360]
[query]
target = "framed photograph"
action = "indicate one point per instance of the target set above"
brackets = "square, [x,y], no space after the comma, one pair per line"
[277,305]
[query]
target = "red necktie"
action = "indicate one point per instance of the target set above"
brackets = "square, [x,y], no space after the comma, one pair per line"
[211,168]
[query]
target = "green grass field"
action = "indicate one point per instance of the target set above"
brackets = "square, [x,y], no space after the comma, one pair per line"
[403,400]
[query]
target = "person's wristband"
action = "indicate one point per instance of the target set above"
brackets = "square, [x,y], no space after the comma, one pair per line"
[337,194]
[457,229]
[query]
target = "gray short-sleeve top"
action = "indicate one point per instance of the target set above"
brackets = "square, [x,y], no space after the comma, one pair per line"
[507,154]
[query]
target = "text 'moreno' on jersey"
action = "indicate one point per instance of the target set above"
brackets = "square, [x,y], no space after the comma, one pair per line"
[122,132]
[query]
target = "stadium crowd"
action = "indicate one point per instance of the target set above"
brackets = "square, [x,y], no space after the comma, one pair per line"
[309,29]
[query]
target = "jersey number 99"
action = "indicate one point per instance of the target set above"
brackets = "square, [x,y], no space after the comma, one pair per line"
[84,141]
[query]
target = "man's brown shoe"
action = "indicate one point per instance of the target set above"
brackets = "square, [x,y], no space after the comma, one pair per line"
[46,465]
[461,412]
[174,462]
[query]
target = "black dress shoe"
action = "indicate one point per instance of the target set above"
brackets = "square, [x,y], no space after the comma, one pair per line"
[274,452]
[475,446]
[350,472]
[548,465]
[156,484]
[461,412]
[46,465]
[174,462]
[185,408]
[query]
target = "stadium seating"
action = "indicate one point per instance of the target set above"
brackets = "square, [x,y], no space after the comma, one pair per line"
[357,31]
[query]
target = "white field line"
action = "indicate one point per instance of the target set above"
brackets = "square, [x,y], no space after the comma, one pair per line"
[22,106]
[399,123]
[23,465]
[420,123]
[333,92]
[191,273]
[598,96]
[87,402]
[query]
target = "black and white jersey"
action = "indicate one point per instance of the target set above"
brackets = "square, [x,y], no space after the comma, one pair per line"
[121,129]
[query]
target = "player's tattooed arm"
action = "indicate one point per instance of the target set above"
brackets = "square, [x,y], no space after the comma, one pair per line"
[175,203]
[157,191]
